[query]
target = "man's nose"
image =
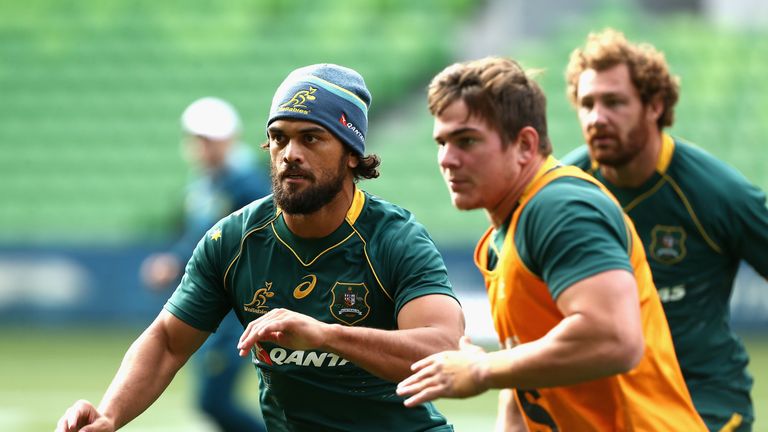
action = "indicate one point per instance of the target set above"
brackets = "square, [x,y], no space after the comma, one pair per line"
[447,157]
[293,152]
[597,116]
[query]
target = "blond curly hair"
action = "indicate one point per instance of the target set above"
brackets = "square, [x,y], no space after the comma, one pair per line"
[648,69]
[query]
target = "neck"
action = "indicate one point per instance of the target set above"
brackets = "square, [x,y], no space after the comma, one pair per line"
[499,214]
[638,170]
[324,221]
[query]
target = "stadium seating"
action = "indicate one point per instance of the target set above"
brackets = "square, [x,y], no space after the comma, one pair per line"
[92,92]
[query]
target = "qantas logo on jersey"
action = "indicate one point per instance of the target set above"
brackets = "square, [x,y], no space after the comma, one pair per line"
[261,354]
[282,356]
[667,244]
[258,304]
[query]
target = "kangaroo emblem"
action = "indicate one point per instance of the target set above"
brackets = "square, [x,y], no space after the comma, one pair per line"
[300,98]
[258,304]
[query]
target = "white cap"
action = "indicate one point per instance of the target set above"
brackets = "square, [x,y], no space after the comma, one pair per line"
[212,118]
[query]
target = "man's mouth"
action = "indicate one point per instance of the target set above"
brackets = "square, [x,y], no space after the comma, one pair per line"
[456,183]
[295,175]
[602,139]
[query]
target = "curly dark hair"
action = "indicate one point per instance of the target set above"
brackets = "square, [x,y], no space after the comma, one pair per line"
[648,69]
[496,90]
[368,168]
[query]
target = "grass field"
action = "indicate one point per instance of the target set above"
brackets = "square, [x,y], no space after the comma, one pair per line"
[44,371]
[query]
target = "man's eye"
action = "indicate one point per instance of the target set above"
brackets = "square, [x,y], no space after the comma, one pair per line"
[466,141]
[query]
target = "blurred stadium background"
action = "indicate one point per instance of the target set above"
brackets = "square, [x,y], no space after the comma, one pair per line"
[91,174]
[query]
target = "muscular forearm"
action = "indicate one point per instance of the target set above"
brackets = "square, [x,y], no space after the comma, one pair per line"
[573,351]
[600,335]
[427,324]
[148,367]
[388,354]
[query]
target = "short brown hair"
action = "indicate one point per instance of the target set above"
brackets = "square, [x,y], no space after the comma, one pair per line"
[496,90]
[648,69]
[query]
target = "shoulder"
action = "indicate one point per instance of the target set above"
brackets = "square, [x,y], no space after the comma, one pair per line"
[569,193]
[254,216]
[378,213]
[392,230]
[578,157]
[571,229]
[570,208]
[698,172]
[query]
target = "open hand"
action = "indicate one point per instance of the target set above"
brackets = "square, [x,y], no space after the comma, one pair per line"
[452,374]
[83,416]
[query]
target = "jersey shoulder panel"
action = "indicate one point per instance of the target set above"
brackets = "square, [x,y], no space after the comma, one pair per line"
[401,251]
[254,215]
[222,243]
[704,177]
[382,222]
[571,230]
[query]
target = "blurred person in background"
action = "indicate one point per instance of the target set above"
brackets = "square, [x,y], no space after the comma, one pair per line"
[338,290]
[226,178]
[585,345]
[697,217]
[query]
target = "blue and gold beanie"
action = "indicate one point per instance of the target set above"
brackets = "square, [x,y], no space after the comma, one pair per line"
[327,94]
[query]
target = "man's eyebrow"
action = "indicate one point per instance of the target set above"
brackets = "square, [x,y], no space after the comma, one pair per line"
[457,132]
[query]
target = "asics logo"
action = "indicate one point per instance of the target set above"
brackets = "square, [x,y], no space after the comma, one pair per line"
[305,288]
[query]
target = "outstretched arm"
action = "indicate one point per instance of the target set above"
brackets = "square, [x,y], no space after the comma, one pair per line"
[148,367]
[600,335]
[426,325]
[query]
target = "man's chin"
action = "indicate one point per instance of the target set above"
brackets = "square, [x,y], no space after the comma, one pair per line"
[462,204]
[609,160]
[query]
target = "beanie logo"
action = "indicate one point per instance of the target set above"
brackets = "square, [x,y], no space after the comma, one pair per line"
[298,101]
[350,126]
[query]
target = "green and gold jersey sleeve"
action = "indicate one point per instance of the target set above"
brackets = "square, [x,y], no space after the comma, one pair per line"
[752,217]
[570,231]
[731,209]
[401,246]
[200,299]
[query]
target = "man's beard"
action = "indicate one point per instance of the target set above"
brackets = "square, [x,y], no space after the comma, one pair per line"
[637,140]
[314,196]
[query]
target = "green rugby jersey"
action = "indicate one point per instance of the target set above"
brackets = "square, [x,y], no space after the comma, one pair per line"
[362,274]
[697,218]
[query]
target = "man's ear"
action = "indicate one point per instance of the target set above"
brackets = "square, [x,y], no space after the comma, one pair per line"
[654,108]
[354,160]
[527,143]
